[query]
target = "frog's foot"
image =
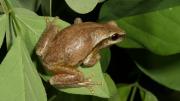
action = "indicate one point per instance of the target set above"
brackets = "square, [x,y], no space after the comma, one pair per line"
[52,24]
[91,59]
[78,21]
[48,21]
[69,80]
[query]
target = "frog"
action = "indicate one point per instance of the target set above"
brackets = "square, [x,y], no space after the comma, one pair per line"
[62,51]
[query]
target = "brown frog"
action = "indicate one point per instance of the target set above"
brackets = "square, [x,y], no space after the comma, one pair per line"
[62,51]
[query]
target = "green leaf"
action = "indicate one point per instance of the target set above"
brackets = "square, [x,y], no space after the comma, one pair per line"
[129,43]
[46,7]
[156,31]
[3,21]
[82,6]
[28,4]
[163,69]
[147,95]
[124,91]
[61,96]
[30,26]
[105,58]
[18,76]
[114,96]
[115,9]
[111,85]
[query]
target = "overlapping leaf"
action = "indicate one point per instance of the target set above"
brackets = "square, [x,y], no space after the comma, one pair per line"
[82,6]
[105,58]
[157,31]
[30,4]
[163,69]
[147,95]
[116,9]
[30,26]
[3,21]
[19,78]
[124,91]
[148,30]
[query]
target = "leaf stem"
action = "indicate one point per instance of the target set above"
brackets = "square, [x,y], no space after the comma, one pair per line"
[133,92]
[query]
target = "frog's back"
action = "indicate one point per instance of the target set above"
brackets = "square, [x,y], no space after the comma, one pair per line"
[73,44]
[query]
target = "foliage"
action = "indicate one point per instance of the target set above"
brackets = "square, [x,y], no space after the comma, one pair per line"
[152,41]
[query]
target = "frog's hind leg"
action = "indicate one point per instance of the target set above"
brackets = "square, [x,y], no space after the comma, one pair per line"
[68,80]
[47,36]
[68,77]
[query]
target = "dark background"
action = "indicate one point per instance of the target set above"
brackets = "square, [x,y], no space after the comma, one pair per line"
[121,68]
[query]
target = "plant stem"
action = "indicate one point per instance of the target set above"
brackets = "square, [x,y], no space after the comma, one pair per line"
[133,93]
[50,8]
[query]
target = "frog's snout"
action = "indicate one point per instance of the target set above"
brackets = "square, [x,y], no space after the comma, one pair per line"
[122,34]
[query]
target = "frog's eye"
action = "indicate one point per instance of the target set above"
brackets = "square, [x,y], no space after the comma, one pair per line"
[115,36]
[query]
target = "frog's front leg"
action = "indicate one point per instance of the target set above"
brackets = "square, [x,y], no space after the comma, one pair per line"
[68,77]
[91,59]
[47,36]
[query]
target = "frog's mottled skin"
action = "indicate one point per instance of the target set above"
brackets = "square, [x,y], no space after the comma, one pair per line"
[62,51]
